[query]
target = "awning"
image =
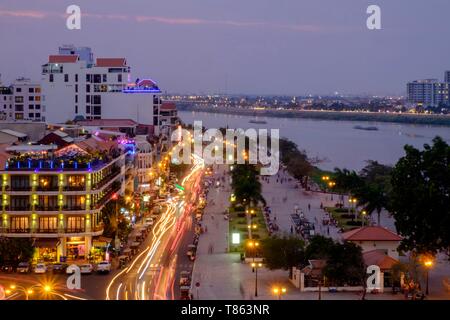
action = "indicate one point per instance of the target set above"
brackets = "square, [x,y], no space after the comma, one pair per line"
[101,241]
[46,242]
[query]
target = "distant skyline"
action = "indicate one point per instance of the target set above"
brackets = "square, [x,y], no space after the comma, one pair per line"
[255,47]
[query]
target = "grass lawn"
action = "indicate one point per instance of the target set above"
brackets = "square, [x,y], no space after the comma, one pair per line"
[339,215]
[238,223]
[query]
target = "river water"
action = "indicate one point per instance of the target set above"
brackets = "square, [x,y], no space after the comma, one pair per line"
[336,143]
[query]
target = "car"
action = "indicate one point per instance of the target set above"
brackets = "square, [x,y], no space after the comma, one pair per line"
[40,268]
[7,268]
[86,268]
[23,267]
[59,267]
[104,267]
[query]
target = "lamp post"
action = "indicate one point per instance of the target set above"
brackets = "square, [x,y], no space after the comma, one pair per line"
[115,197]
[253,245]
[255,267]
[278,291]
[428,263]
[28,291]
[352,201]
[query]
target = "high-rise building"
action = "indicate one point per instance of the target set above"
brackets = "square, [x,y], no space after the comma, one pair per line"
[428,92]
[447,77]
[21,101]
[75,86]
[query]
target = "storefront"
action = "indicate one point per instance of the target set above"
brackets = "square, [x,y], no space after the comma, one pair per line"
[99,250]
[45,249]
[75,248]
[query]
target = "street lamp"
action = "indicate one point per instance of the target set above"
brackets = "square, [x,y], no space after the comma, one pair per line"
[255,267]
[278,291]
[253,245]
[428,263]
[352,201]
[28,291]
[363,213]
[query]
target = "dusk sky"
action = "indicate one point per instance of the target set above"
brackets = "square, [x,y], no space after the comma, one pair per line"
[239,46]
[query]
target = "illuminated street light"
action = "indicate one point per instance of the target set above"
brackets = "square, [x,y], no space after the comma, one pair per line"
[255,267]
[428,263]
[278,291]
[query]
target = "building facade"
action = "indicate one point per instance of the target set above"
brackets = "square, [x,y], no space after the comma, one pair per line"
[56,196]
[75,86]
[429,92]
[21,101]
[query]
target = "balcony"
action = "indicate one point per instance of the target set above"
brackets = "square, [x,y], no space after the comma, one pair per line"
[46,208]
[16,230]
[18,208]
[74,208]
[47,189]
[75,188]
[114,172]
[18,188]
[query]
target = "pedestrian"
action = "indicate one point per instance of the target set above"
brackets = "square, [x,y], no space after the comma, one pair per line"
[321,205]
[328,230]
[309,207]
[292,229]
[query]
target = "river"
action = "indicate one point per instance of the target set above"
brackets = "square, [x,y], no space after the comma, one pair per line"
[336,143]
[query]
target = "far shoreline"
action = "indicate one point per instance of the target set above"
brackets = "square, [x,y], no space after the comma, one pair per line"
[421,119]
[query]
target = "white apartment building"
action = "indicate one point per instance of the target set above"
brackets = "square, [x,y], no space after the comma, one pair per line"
[75,86]
[145,157]
[21,101]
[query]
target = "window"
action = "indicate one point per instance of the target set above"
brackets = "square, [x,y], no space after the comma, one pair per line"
[30,90]
[76,202]
[18,99]
[66,78]
[31,115]
[76,109]
[76,88]
[50,79]
[88,88]
[20,202]
[19,116]
[18,89]
[104,78]
[76,98]
[76,77]
[31,106]
[19,107]
[88,78]
[75,223]
[37,90]
[97,78]
[88,109]
[30,98]
[37,107]
[97,110]
[19,223]
[37,98]
[119,78]
[88,98]
[96,99]
[37,115]
[48,223]
[48,203]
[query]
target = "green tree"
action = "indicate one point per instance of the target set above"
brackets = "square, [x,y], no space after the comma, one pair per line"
[420,197]
[246,185]
[345,265]
[15,250]
[282,252]
[319,247]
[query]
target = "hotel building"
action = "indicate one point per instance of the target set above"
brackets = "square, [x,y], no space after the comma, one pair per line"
[56,196]
[75,86]
[429,92]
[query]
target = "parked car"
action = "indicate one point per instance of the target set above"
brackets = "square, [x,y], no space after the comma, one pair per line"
[40,268]
[59,267]
[23,267]
[7,268]
[86,268]
[104,267]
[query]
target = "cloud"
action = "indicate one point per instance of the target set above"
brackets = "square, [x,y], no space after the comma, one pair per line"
[34,14]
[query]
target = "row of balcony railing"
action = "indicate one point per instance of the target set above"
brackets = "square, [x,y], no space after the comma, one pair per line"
[50,230]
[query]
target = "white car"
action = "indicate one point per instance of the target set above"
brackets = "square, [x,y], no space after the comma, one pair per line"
[86,268]
[104,267]
[40,268]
